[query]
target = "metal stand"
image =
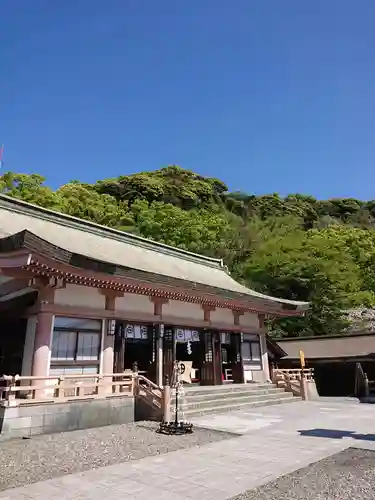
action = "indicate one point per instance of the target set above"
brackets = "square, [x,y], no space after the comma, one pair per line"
[176,427]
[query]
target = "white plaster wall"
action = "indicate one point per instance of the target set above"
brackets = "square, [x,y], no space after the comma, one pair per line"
[80,296]
[222,316]
[249,320]
[248,375]
[134,303]
[179,309]
[258,375]
[28,349]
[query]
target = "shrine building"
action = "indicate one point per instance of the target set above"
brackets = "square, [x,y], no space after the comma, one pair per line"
[80,298]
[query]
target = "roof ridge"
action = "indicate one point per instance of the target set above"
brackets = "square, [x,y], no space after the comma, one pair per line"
[31,209]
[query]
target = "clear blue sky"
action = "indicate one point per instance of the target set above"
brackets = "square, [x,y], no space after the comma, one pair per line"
[267,95]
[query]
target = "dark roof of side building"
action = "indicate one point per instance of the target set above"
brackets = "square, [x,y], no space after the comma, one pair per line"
[330,347]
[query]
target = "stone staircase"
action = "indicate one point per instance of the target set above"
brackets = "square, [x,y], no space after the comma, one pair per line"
[370,398]
[204,400]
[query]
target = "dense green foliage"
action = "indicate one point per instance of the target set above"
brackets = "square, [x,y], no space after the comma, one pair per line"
[295,247]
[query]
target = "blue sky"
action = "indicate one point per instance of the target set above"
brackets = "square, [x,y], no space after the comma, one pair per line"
[267,95]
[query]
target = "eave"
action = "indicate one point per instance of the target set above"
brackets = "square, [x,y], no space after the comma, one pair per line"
[41,258]
[36,265]
[41,267]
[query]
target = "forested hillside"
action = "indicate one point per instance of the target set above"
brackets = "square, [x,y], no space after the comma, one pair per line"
[295,247]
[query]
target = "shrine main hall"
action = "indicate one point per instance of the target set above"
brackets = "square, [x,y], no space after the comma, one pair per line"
[80,298]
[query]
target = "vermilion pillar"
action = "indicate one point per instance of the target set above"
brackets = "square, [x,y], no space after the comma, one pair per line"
[42,344]
[43,329]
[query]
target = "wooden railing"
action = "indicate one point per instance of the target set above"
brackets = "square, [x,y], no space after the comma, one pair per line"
[18,390]
[291,380]
[294,373]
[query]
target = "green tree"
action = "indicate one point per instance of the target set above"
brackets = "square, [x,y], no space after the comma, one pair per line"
[295,247]
[199,230]
[30,188]
[83,201]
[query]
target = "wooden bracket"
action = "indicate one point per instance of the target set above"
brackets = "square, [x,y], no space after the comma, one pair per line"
[46,286]
[236,316]
[207,311]
[262,318]
[110,297]
[158,305]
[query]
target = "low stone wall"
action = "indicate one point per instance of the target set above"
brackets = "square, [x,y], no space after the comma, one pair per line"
[29,420]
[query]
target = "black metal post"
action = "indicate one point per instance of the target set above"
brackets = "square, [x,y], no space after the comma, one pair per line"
[176,403]
[175,427]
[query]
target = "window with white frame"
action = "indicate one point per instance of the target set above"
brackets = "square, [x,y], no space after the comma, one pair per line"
[250,349]
[76,343]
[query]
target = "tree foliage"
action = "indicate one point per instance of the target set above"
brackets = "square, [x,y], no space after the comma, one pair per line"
[294,247]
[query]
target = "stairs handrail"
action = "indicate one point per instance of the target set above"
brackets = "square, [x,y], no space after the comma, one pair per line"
[361,383]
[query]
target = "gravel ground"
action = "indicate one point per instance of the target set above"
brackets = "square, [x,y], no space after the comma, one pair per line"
[45,457]
[347,475]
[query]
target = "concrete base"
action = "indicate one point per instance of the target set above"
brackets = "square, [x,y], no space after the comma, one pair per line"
[30,420]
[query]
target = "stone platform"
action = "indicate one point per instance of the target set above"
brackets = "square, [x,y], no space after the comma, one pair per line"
[271,442]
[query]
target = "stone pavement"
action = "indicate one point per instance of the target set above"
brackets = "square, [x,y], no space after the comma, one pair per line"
[271,442]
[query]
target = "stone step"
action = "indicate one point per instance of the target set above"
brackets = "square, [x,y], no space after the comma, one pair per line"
[190,404]
[193,397]
[188,414]
[225,388]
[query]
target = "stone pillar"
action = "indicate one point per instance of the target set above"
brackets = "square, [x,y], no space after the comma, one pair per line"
[43,337]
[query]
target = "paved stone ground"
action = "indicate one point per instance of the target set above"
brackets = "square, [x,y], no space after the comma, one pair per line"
[271,442]
[347,475]
[45,457]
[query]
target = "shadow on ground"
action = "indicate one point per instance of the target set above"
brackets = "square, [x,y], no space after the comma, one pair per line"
[337,434]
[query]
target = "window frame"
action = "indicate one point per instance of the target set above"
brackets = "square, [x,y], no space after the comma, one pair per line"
[56,363]
[252,361]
